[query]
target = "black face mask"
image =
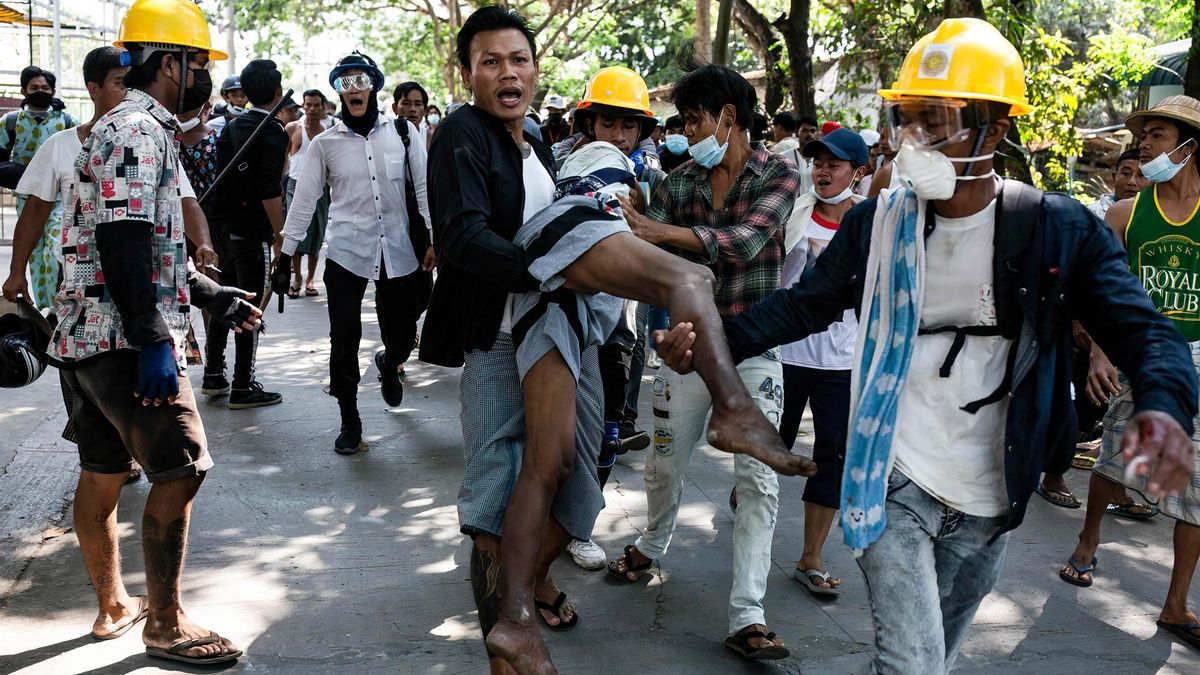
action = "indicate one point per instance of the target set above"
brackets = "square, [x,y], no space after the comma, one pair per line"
[554,118]
[200,91]
[39,99]
[362,125]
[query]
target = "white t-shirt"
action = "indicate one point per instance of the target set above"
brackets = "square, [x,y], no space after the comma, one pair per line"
[539,193]
[832,349]
[953,455]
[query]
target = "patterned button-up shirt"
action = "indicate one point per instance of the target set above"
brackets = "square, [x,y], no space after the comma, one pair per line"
[127,170]
[32,132]
[743,240]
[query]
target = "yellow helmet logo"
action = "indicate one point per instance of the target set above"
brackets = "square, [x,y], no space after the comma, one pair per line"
[936,63]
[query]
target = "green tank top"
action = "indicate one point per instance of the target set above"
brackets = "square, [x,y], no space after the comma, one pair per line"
[1165,256]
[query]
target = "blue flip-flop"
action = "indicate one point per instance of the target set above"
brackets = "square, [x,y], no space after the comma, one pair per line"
[1080,570]
[1183,631]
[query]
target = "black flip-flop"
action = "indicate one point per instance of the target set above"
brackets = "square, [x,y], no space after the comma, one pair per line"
[311,292]
[554,608]
[175,652]
[1126,511]
[1063,499]
[740,643]
[629,567]
[1080,570]
[293,292]
[1183,631]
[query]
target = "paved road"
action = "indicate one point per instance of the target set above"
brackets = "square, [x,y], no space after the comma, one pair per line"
[317,563]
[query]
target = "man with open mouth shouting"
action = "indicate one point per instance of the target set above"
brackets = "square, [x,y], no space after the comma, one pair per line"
[376,180]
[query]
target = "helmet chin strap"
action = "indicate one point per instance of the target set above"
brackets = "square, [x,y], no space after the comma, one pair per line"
[182,79]
[974,156]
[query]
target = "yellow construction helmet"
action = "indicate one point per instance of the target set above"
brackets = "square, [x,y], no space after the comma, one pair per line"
[167,22]
[963,59]
[616,91]
[617,87]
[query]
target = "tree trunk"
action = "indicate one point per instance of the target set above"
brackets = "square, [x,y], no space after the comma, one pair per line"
[704,29]
[721,37]
[1191,82]
[794,26]
[963,8]
[763,39]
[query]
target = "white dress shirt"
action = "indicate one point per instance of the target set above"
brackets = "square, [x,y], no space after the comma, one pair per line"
[368,214]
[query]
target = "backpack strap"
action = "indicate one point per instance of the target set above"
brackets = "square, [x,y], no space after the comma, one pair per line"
[1018,217]
[10,125]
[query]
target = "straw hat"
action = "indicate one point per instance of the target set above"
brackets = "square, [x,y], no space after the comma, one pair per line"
[1184,109]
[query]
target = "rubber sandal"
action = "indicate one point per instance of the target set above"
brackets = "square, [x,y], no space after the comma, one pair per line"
[1063,499]
[1083,462]
[143,612]
[311,292]
[175,651]
[805,579]
[740,643]
[1127,511]
[627,556]
[293,292]
[1080,570]
[554,608]
[1183,631]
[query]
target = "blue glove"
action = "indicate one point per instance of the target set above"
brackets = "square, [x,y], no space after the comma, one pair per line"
[158,375]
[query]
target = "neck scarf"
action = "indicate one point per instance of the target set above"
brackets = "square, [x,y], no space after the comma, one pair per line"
[891,314]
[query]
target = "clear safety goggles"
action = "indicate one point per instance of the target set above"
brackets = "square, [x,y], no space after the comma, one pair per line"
[932,122]
[352,83]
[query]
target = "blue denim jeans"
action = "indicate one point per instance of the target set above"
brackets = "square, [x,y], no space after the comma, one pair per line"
[925,577]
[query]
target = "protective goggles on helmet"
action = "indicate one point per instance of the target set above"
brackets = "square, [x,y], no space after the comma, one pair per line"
[933,122]
[351,83]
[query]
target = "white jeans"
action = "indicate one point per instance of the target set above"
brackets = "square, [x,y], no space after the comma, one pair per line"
[681,405]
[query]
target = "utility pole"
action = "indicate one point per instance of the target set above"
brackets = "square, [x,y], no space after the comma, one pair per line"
[230,31]
[58,71]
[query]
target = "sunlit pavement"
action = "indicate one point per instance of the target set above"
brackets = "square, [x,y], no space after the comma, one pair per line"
[315,563]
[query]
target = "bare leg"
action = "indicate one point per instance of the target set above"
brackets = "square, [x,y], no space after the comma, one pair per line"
[817,522]
[549,456]
[1101,492]
[96,526]
[1187,551]
[627,267]
[312,270]
[297,280]
[164,544]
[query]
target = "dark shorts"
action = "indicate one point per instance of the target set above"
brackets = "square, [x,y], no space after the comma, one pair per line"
[113,429]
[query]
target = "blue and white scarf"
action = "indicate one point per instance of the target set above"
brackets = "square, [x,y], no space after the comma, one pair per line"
[891,314]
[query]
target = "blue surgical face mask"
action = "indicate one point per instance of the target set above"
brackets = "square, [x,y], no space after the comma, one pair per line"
[708,153]
[676,143]
[1161,169]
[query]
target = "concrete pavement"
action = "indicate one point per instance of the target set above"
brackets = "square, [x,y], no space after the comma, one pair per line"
[317,563]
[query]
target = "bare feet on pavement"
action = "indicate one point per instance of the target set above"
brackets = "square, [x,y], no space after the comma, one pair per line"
[745,430]
[165,631]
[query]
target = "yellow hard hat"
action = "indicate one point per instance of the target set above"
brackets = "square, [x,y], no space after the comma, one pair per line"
[618,87]
[967,59]
[171,22]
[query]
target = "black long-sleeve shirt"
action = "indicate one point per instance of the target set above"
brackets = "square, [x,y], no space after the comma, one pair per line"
[237,203]
[477,201]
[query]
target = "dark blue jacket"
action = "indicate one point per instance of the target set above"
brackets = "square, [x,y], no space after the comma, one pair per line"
[1066,265]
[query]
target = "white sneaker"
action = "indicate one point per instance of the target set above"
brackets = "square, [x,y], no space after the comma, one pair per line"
[588,555]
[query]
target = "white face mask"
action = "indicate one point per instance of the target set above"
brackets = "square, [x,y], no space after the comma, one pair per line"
[837,199]
[931,174]
[187,126]
[433,119]
[1161,169]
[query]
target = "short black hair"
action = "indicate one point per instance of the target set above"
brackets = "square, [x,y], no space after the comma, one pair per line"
[786,120]
[403,88]
[709,88]
[674,122]
[260,80]
[142,76]
[759,127]
[490,18]
[99,63]
[29,73]
[1132,154]
[807,119]
[315,92]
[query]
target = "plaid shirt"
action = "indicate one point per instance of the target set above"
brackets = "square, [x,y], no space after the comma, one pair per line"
[743,242]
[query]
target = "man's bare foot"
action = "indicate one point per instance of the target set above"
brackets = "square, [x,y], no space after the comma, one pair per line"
[745,430]
[168,630]
[116,621]
[545,591]
[1084,558]
[807,564]
[521,645]
[630,565]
